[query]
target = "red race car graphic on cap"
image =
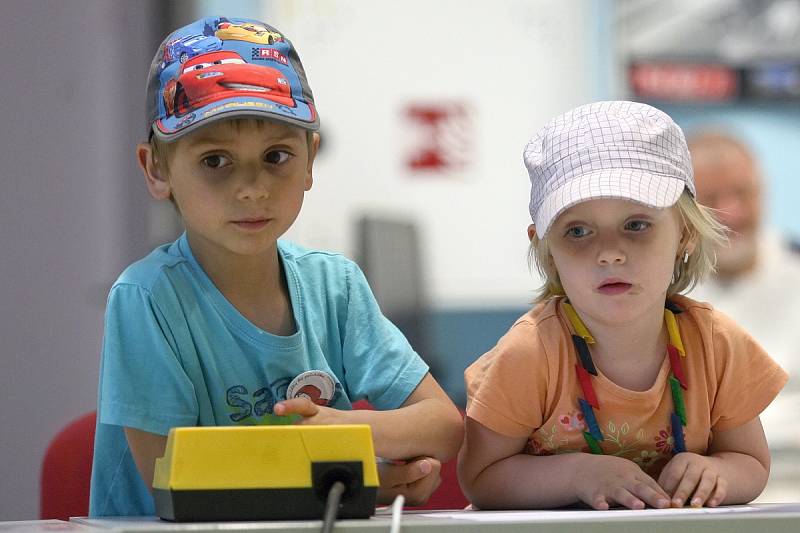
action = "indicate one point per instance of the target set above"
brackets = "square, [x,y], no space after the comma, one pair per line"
[214,76]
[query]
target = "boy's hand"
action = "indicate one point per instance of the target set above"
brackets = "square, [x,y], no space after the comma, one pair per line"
[312,413]
[689,475]
[416,480]
[603,481]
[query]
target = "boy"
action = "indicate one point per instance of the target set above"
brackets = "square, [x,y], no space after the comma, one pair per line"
[227,325]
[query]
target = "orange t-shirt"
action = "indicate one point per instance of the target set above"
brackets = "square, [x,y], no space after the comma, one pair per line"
[526,386]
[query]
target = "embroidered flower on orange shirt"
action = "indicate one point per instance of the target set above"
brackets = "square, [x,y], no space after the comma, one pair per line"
[646,458]
[574,421]
[664,442]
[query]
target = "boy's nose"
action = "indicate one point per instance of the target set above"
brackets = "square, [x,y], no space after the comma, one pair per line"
[254,187]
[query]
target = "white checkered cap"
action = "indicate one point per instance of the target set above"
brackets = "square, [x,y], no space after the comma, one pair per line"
[622,150]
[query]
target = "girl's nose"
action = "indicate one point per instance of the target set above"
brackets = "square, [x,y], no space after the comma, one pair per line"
[610,253]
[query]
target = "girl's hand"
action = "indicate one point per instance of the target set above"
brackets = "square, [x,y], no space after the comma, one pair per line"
[689,475]
[415,480]
[310,412]
[603,481]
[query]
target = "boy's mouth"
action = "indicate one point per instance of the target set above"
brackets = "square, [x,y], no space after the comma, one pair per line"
[251,223]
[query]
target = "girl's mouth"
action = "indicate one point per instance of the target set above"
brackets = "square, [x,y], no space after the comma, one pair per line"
[614,288]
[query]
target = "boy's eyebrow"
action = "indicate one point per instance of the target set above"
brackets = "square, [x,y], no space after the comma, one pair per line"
[210,138]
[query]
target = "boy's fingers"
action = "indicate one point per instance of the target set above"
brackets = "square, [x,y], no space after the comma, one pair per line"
[296,406]
[392,474]
[419,491]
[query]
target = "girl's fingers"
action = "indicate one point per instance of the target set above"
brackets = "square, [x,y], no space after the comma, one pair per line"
[652,494]
[626,498]
[708,480]
[687,485]
[599,502]
[719,493]
[672,474]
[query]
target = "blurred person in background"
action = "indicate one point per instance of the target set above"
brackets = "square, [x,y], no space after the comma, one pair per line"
[757,276]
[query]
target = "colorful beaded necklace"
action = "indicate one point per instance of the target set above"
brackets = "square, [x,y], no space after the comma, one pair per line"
[581,338]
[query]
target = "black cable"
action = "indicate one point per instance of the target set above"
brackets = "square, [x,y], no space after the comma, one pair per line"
[332,506]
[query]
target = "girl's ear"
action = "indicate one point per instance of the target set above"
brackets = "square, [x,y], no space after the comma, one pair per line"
[688,242]
[531,232]
[157,184]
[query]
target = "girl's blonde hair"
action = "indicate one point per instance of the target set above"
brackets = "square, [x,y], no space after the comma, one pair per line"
[698,220]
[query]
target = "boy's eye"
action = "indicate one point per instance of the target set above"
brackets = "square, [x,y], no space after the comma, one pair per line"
[277,157]
[216,161]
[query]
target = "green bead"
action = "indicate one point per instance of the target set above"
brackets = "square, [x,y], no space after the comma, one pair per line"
[677,398]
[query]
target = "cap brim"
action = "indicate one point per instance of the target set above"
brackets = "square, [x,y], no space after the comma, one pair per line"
[653,190]
[301,115]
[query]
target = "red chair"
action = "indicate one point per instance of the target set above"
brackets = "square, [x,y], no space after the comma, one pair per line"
[448,495]
[67,471]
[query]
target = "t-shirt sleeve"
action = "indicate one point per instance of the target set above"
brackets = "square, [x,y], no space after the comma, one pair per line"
[142,382]
[380,365]
[747,377]
[507,386]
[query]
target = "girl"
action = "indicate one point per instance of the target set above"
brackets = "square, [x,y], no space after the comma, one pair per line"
[615,390]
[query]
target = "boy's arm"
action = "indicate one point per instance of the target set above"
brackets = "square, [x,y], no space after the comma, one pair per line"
[734,471]
[495,473]
[427,424]
[145,448]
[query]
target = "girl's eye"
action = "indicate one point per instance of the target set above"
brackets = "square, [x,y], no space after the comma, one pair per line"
[216,161]
[277,157]
[637,225]
[577,232]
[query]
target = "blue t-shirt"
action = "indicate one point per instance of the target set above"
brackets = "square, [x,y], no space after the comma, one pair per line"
[177,353]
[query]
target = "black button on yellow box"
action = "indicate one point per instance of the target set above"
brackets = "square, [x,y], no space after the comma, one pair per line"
[264,472]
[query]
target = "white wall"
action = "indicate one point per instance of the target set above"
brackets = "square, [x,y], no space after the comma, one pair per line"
[515,63]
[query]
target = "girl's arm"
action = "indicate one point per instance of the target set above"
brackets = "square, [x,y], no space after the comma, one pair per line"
[734,471]
[427,424]
[496,474]
[145,448]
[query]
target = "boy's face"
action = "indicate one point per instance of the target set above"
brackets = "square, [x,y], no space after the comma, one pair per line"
[239,185]
[615,258]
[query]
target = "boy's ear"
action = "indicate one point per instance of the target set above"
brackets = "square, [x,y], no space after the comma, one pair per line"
[312,154]
[157,184]
[531,232]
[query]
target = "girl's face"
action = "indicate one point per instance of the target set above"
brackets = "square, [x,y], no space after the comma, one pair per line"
[615,257]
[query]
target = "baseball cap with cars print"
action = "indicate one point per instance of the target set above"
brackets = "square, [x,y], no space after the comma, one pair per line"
[217,68]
